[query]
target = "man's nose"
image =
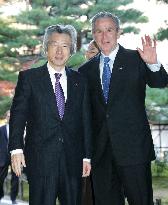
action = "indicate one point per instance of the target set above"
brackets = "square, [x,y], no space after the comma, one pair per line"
[59,49]
[104,35]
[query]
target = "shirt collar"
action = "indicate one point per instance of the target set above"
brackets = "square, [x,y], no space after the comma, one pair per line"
[112,55]
[52,71]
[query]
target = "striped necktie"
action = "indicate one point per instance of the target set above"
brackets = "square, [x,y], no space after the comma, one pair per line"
[59,94]
[106,78]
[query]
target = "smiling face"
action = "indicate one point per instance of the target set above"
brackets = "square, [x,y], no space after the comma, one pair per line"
[106,34]
[58,51]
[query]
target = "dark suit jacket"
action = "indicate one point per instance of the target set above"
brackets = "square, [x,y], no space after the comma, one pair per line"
[34,105]
[4,157]
[122,121]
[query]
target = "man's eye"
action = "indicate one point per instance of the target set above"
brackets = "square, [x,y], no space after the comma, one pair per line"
[110,30]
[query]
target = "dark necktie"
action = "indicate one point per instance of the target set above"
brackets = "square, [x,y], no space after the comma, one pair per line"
[59,94]
[106,78]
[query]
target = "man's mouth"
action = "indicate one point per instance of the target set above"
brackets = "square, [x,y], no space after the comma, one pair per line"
[58,58]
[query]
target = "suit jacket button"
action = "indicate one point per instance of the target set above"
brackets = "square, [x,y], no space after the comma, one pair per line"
[107,116]
[61,140]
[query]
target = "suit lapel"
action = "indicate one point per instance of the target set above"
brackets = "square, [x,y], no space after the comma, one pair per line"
[48,92]
[71,90]
[5,132]
[97,81]
[116,78]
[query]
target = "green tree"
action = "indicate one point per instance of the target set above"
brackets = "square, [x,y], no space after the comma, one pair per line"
[77,13]
[23,40]
[157,104]
[163,32]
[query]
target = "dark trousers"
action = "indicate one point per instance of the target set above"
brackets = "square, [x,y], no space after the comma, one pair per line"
[87,191]
[45,190]
[112,183]
[14,186]
[3,174]
[14,183]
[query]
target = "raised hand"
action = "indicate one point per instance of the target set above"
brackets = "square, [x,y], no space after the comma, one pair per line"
[148,52]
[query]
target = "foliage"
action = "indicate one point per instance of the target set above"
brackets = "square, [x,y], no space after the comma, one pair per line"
[59,20]
[5,104]
[33,17]
[159,168]
[129,29]
[41,62]
[68,11]
[164,1]
[162,34]
[76,60]
[8,75]
[13,39]
[128,15]
[156,104]
[75,11]
[120,2]
[157,96]
[9,63]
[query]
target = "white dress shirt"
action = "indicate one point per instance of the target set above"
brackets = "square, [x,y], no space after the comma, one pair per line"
[7,130]
[63,79]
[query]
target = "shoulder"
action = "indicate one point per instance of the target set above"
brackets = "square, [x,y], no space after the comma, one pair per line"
[76,76]
[2,127]
[133,54]
[74,73]
[90,64]
[33,72]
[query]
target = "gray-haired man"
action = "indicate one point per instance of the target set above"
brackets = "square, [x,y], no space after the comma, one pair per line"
[52,102]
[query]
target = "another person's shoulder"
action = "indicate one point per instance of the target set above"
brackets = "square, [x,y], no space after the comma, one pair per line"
[89,65]
[2,127]
[76,75]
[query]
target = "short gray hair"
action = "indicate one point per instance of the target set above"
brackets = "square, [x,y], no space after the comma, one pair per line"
[65,29]
[105,14]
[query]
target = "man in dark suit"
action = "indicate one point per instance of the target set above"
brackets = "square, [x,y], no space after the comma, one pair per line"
[122,141]
[87,190]
[52,102]
[5,161]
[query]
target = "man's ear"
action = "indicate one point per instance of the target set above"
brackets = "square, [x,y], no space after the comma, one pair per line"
[120,31]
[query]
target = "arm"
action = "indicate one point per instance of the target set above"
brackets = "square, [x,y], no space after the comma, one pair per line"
[156,75]
[18,118]
[87,133]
